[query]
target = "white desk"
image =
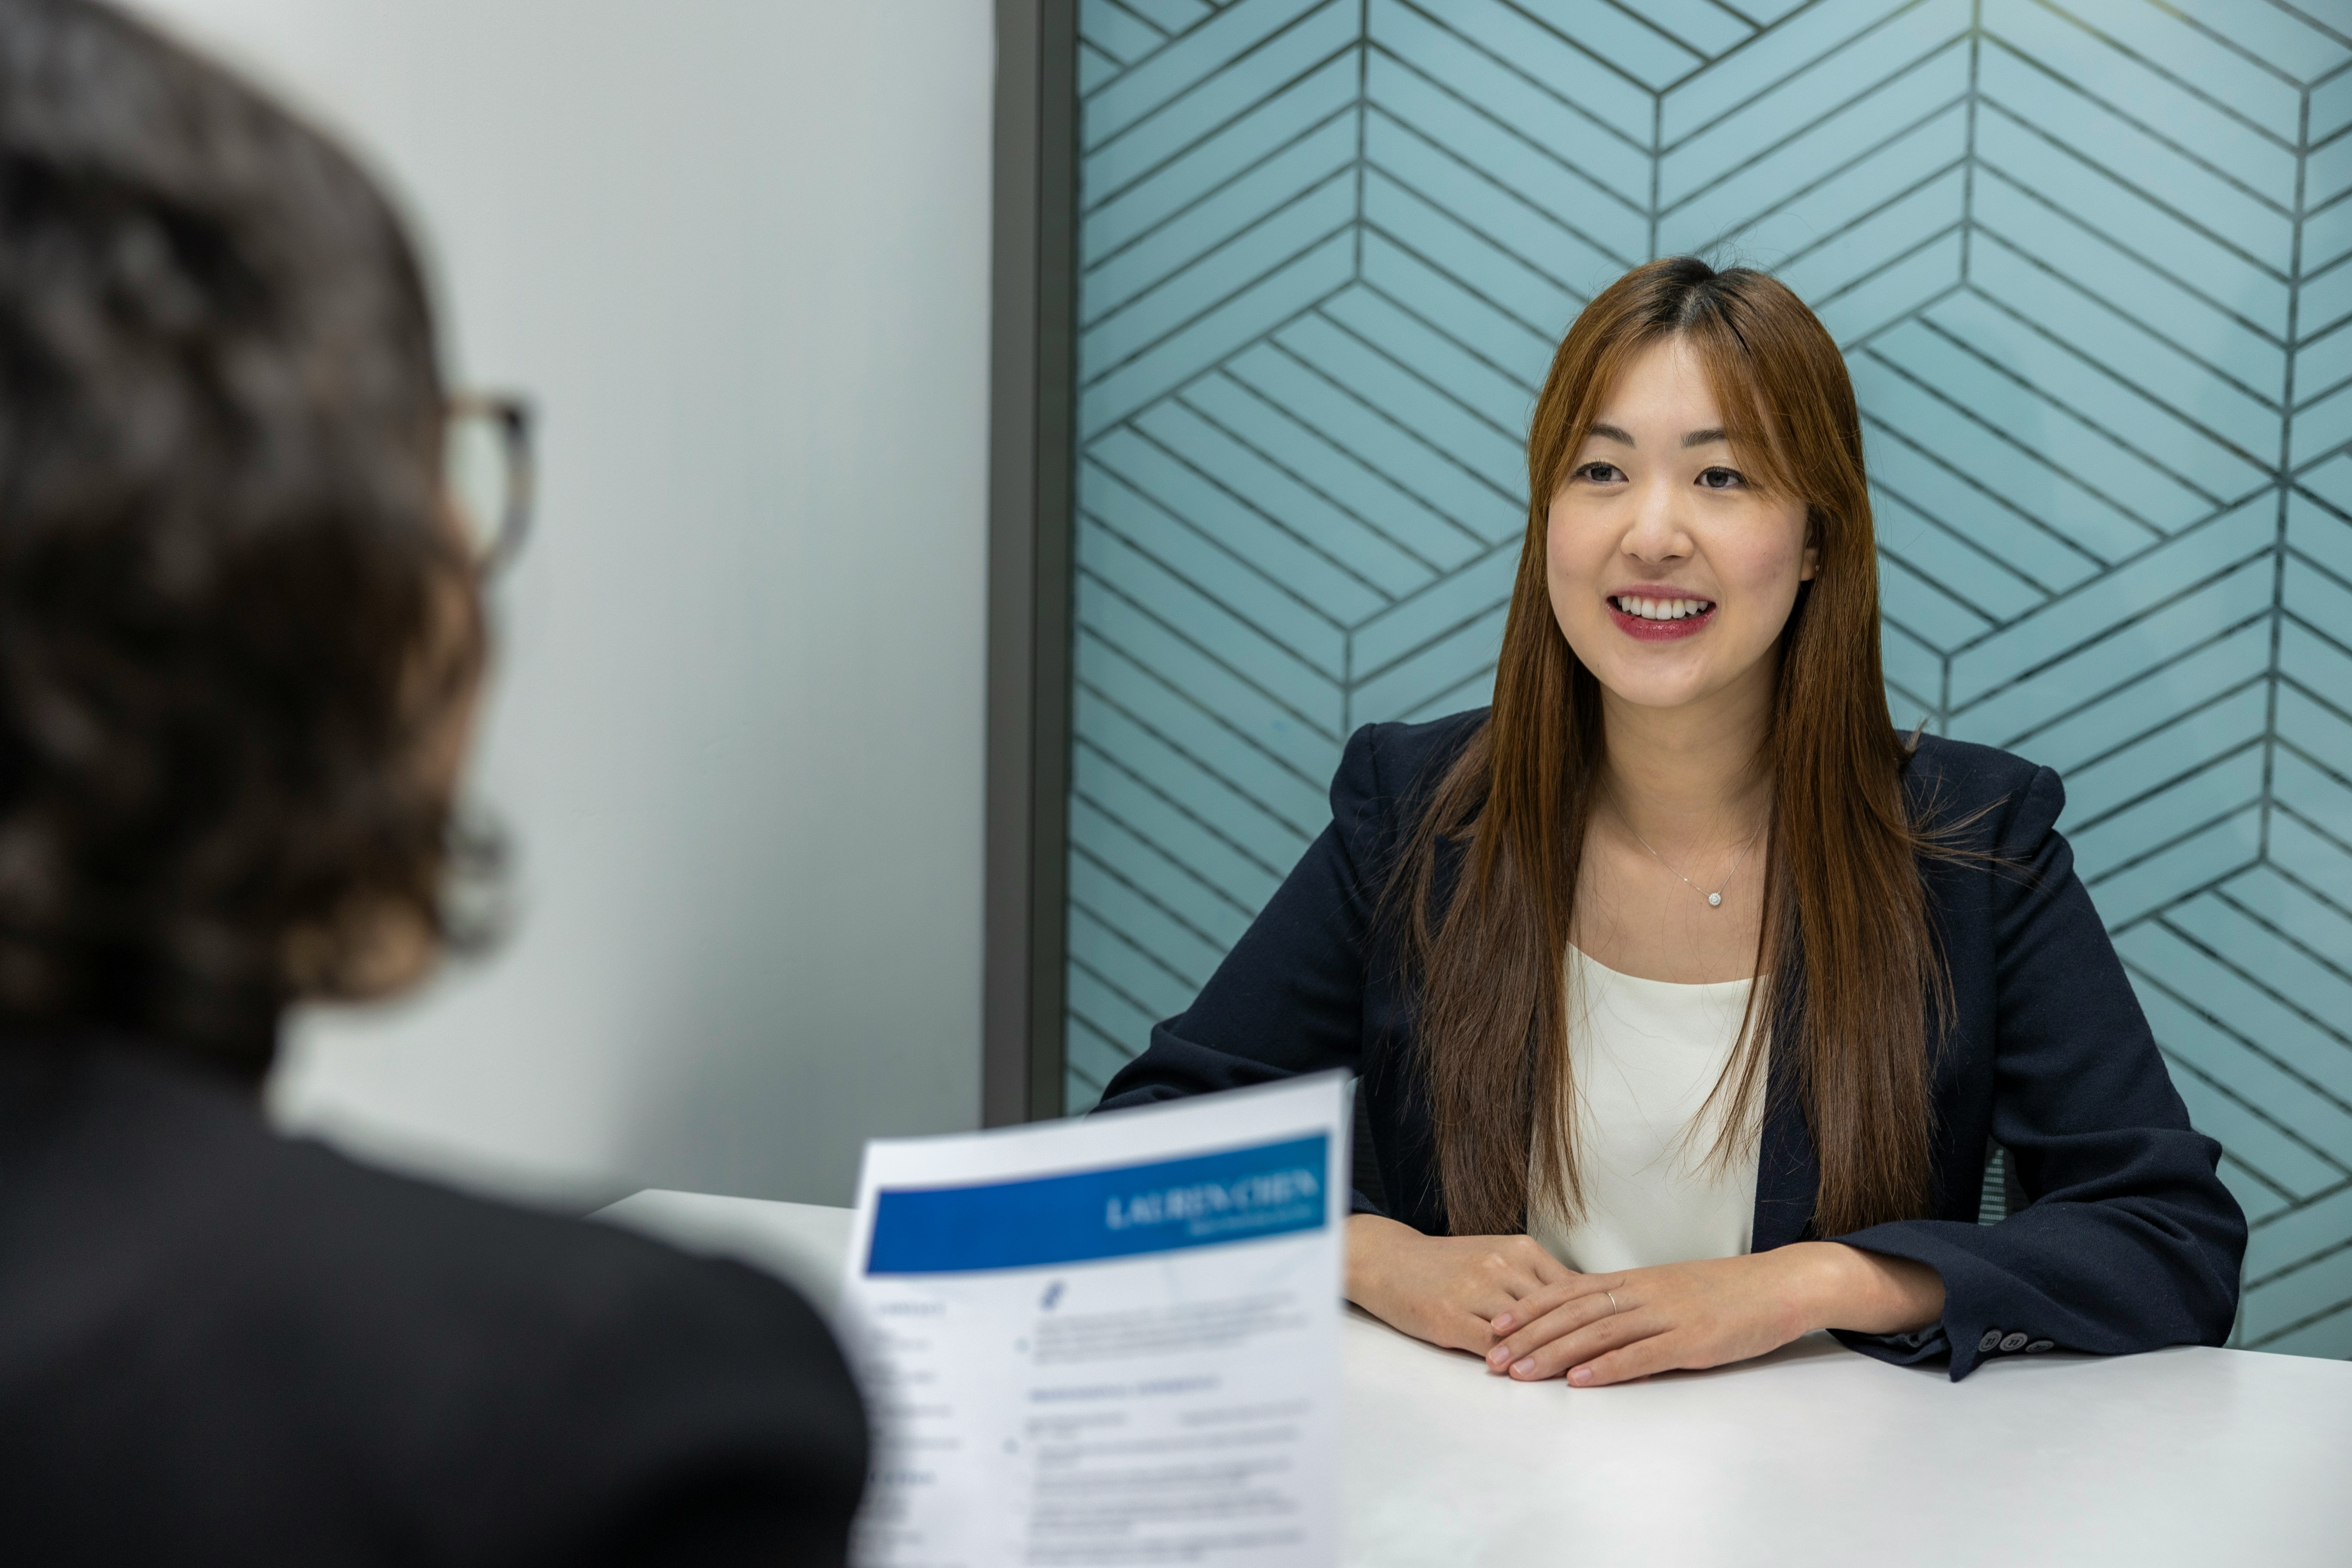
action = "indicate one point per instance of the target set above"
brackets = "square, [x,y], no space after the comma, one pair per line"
[1812,1455]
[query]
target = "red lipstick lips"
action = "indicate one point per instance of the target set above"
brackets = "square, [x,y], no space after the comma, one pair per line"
[1641,628]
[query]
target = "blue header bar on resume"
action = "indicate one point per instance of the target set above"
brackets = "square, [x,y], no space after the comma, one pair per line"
[1242,1195]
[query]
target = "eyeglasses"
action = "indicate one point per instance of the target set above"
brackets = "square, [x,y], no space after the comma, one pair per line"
[485,460]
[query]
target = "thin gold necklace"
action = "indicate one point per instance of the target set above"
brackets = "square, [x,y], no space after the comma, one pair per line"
[1714,899]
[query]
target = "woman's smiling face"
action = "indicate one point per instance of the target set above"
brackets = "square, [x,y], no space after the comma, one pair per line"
[1672,574]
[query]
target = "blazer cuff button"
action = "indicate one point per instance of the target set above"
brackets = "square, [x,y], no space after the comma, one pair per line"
[1990,1342]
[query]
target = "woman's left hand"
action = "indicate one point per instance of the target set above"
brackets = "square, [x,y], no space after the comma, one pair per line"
[1610,1328]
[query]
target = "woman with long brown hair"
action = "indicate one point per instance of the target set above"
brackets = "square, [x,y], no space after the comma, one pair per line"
[1685,993]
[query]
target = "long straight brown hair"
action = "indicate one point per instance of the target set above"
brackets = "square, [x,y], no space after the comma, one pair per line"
[1849,980]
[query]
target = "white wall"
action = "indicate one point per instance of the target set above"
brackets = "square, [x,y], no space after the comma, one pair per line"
[736,251]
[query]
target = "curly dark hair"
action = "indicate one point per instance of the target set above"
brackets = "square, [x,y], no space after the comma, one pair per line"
[233,611]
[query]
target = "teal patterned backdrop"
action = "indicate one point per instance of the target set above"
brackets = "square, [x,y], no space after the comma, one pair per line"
[2088,262]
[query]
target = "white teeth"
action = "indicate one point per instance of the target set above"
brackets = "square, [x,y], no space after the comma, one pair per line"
[1663,609]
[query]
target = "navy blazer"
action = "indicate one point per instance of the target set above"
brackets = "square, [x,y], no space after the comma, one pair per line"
[2130,1240]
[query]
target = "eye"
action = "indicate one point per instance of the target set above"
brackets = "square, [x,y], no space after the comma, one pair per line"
[1721,478]
[1601,473]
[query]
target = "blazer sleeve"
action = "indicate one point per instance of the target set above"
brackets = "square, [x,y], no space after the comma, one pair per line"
[1289,999]
[2130,1242]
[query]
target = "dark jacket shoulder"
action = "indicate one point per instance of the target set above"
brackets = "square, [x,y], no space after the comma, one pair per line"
[1982,795]
[282,1354]
[1386,772]
[1395,759]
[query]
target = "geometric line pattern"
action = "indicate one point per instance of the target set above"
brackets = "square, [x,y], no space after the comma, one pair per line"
[2090,265]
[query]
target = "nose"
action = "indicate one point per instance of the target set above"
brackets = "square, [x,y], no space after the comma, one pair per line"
[1657,534]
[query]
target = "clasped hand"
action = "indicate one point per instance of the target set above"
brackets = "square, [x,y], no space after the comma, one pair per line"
[1506,1298]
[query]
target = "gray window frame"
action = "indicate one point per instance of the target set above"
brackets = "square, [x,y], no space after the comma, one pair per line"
[1032,401]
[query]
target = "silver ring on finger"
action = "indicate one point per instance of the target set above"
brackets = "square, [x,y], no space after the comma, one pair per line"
[1613,1308]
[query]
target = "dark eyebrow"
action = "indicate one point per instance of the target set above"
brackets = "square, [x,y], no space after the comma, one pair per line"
[1611,433]
[1703,437]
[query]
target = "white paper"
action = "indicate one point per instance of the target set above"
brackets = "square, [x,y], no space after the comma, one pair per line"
[1111,1340]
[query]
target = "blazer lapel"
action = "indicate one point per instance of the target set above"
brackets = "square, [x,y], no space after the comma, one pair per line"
[1788,1176]
[1788,1171]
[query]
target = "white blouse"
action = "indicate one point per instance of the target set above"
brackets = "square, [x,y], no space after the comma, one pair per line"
[1643,1055]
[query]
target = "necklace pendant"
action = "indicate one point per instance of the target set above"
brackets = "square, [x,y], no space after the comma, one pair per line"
[1715,901]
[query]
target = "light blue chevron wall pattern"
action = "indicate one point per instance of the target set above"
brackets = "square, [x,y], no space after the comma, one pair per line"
[2088,261]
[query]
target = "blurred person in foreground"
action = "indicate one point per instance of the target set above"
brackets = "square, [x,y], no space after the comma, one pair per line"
[240,648]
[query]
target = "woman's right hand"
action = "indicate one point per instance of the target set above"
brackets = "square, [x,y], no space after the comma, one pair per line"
[1447,1290]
